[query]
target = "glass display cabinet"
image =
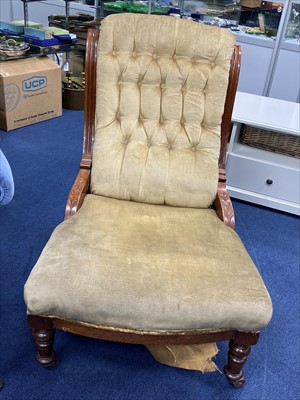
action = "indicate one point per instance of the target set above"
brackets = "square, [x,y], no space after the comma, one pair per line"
[261,17]
[285,77]
[292,32]
[245,17]
[223,13]
[249,17]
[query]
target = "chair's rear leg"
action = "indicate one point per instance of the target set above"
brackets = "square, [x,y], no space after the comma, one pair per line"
[239,349]
[44,339]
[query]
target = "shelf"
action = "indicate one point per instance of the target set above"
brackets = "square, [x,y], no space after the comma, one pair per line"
[266,112]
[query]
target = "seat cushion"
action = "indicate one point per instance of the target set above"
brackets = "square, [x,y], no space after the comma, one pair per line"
[148,267]
[161,88]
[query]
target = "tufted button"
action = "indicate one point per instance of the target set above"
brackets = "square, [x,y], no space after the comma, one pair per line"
[174,56]
[194,148]
[120,82]
[182,121]
[154,56]
[169,146]
[149,144]
[133,54]
[113,53]
[141,119]
[139,83]
[213,64]
[183,89]
[194,60]
[125,141]
[161,121]
[162,85]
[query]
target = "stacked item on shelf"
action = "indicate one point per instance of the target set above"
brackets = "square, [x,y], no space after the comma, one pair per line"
[78,24]
[12,46]
[36,34]
[73,85]
[17,27]
[46,32]
[73,80]
[140,7]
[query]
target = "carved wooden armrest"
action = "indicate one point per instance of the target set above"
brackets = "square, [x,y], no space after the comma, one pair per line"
[223,206]
[79,190]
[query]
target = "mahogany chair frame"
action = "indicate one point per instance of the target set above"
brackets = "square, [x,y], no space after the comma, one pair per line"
[44,327]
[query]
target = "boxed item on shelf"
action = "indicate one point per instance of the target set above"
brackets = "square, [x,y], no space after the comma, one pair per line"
[46,32]
[78,24]
[40,33]
[250,3]
[30,92]
[18,26]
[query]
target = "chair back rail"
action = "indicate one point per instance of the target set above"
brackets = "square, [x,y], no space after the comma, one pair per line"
[90,96]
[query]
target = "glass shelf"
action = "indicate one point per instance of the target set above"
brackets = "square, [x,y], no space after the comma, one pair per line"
[249,17]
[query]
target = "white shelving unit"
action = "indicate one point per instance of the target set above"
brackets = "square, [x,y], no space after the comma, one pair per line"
[260,176]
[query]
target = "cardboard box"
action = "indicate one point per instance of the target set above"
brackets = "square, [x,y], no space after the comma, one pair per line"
[251,3]
[30,92]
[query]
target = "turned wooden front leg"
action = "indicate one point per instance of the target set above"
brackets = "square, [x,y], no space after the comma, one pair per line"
[44,339]
[239,349]
[237,356]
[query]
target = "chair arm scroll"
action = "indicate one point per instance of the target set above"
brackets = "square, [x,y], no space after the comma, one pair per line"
[78,192]
[223,206]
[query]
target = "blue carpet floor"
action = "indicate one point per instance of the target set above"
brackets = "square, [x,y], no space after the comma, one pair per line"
[44,159]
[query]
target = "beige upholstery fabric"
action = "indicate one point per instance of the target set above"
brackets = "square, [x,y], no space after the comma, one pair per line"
[148,267]
[161,86]
[193,356]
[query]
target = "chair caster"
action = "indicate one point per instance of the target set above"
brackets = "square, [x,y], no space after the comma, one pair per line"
[49,362]
[236,380]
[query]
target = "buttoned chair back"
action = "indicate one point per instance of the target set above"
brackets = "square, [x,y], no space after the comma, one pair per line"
[161,91]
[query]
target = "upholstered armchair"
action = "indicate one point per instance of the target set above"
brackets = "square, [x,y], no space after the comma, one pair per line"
[147,252]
